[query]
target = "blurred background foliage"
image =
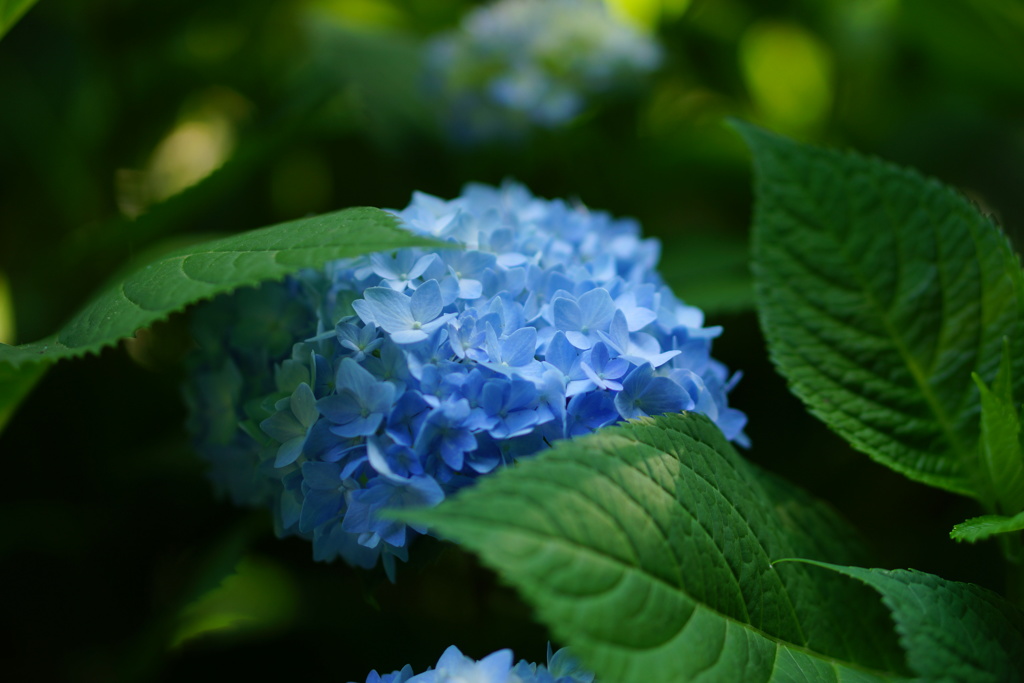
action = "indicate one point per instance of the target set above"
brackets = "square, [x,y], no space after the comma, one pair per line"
[131,127]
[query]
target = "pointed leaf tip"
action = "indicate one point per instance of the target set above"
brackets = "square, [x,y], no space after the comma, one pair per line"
[880,292]
[170,283]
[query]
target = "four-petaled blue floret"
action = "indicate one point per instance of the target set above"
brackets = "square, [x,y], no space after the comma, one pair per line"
[411,374]
[455,667]
[513,64]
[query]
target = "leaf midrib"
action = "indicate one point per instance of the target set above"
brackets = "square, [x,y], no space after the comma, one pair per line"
[945,423]
[959,451]
[780,643]
[546,537]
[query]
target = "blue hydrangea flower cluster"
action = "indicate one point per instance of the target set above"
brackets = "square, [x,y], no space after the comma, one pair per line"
[395,379]
[455,667]
[513,64]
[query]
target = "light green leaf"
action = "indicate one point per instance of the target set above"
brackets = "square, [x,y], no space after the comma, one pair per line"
[880,292]
[979,528]
[1001,456]
[952,632]
[11,11]
[174,281]
[258,596]
[648,548]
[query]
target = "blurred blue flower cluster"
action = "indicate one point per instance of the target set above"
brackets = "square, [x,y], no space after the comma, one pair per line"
[394,379]
[455,667]
[514,64]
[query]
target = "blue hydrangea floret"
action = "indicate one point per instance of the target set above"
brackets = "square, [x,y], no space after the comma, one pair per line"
[392,380]
[455,667]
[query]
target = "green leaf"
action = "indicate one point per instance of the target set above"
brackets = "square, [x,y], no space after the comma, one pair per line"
[174,281]
[979,528]
[257,596]
[880,292]
[1001,456]
[648,548]
[952,632]
[11,11]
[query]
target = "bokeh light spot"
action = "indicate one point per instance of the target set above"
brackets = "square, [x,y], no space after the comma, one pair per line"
[647,13]
[788,72]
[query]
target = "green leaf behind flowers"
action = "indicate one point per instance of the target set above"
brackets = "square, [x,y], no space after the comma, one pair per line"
[649,549]
[880,293]
[174,281]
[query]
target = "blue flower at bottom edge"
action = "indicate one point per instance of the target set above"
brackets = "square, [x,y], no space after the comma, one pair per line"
[455,667]
[411,374]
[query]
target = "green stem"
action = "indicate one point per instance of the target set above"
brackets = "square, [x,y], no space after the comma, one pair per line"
[1013,551]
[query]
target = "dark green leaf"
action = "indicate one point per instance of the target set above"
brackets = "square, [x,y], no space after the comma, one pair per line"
[174,281]
[880,292]
[648,548]
[953,632]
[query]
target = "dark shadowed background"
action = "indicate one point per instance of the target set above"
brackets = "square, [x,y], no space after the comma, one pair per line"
[129,127]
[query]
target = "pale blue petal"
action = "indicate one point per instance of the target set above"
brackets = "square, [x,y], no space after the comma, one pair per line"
[567,314]
[421,266]
[470,289]
[364,309]
[436,324]
[390,309]
[591,375]
[375,456]
[426,303]
[408,336]
[520,347]
[383,265]
[495,666]
[598,309]
[663,395]
[578,339]
[449,290]
[561,353]
[354,377]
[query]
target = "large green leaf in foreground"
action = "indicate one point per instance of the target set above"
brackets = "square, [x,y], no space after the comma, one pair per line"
[648,548]
[952,631]
[880,292]
[174,281]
